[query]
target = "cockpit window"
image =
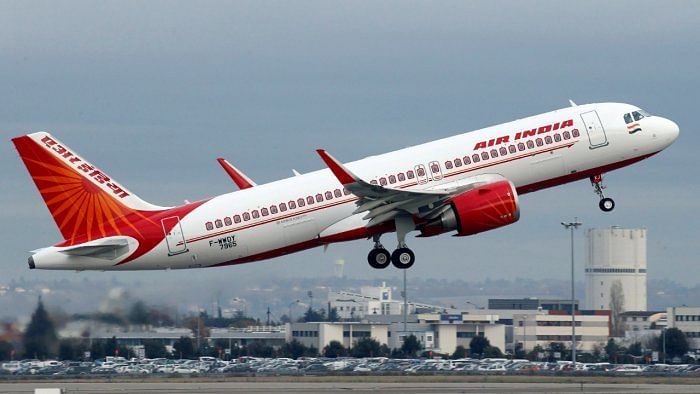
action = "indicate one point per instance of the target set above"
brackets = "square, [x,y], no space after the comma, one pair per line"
[636,116]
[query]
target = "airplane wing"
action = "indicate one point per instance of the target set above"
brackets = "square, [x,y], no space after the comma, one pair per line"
[385,203]
[236,175]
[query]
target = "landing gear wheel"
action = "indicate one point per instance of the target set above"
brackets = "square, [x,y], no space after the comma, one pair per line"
[403,258]
[607,204]
[379,258]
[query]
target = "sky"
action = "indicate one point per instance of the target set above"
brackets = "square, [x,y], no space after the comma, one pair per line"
[153,92]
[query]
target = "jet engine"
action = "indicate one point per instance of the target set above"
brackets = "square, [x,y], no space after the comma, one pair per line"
[483,208]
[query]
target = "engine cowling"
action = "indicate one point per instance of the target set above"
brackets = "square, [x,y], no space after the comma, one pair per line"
[477,210]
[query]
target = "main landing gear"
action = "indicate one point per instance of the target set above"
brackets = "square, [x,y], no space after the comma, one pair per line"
[606,204]
[402,257]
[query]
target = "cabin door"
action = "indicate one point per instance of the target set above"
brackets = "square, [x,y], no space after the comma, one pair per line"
[174,236]
[595,130]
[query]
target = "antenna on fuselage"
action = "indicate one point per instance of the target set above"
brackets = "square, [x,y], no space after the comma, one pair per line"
[573,104]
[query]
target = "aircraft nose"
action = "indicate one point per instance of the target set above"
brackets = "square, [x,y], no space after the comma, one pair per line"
[669,130]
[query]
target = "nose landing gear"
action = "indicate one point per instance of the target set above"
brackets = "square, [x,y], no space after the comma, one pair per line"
[606,204]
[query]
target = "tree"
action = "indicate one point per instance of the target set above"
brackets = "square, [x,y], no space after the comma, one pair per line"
[518,352]
[611,349]
[184,348]
[40,340]
[460,352]
[366,347]
[535,353]
[635,349]
[71,349]
[411,345]
[333,315]
[617,306]
[259,349]
[478,344]
[492,352]
[154,349]
[294,349]
[676,343]
[6,350]
[334,349]
[557,347]
[313,316]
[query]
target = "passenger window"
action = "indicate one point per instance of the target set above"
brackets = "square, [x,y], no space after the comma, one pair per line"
[209,226]
[402,177]
[273,209]
[548,139]
[421,171]
[218,223]
[309,200]
[567,135]
[236,218]
[256,214]
[557,137]
[382,181]
[485,155]
[467,160]
[246,216]
[347,192]
[539,141]
[319,197]
[329,196]
[494,153]
[264,212]
[392,179]
[458,162]
[435,168]
[575,132]
[337,193]
[227,221]
[475,158]
[530,144]
[373,182]
[292,205]
[628,118]
[512,149]
[521,146]
[301,202]
[502,151]
[448,165]
[283,207]
[409,174]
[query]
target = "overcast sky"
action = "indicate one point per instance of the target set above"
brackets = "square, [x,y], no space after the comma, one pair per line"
[152,92]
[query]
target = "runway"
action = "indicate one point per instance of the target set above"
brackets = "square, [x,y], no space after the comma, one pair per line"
[345,387]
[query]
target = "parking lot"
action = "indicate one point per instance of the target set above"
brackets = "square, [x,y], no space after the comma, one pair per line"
[251,366]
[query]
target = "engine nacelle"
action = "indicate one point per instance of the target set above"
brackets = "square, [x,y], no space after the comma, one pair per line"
[481,209]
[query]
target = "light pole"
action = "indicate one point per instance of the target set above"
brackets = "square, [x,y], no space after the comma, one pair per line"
[572,226]
[663,332]
[472,304]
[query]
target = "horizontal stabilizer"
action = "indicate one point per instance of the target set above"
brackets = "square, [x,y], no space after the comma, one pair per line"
[108,249]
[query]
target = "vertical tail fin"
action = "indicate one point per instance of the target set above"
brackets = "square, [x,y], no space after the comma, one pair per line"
[83,200]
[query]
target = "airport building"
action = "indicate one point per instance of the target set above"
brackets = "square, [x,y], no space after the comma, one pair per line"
[616,256]
[320,334]
[686,319]
[532,303]
[542,328]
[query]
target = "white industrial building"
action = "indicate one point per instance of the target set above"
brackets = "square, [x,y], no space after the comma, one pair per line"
[616,254]
[542,328]
[372,300]
[686,319]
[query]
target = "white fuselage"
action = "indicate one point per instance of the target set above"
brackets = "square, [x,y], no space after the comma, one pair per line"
[213,235]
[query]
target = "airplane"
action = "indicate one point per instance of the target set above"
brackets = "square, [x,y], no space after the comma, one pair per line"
[464,185]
